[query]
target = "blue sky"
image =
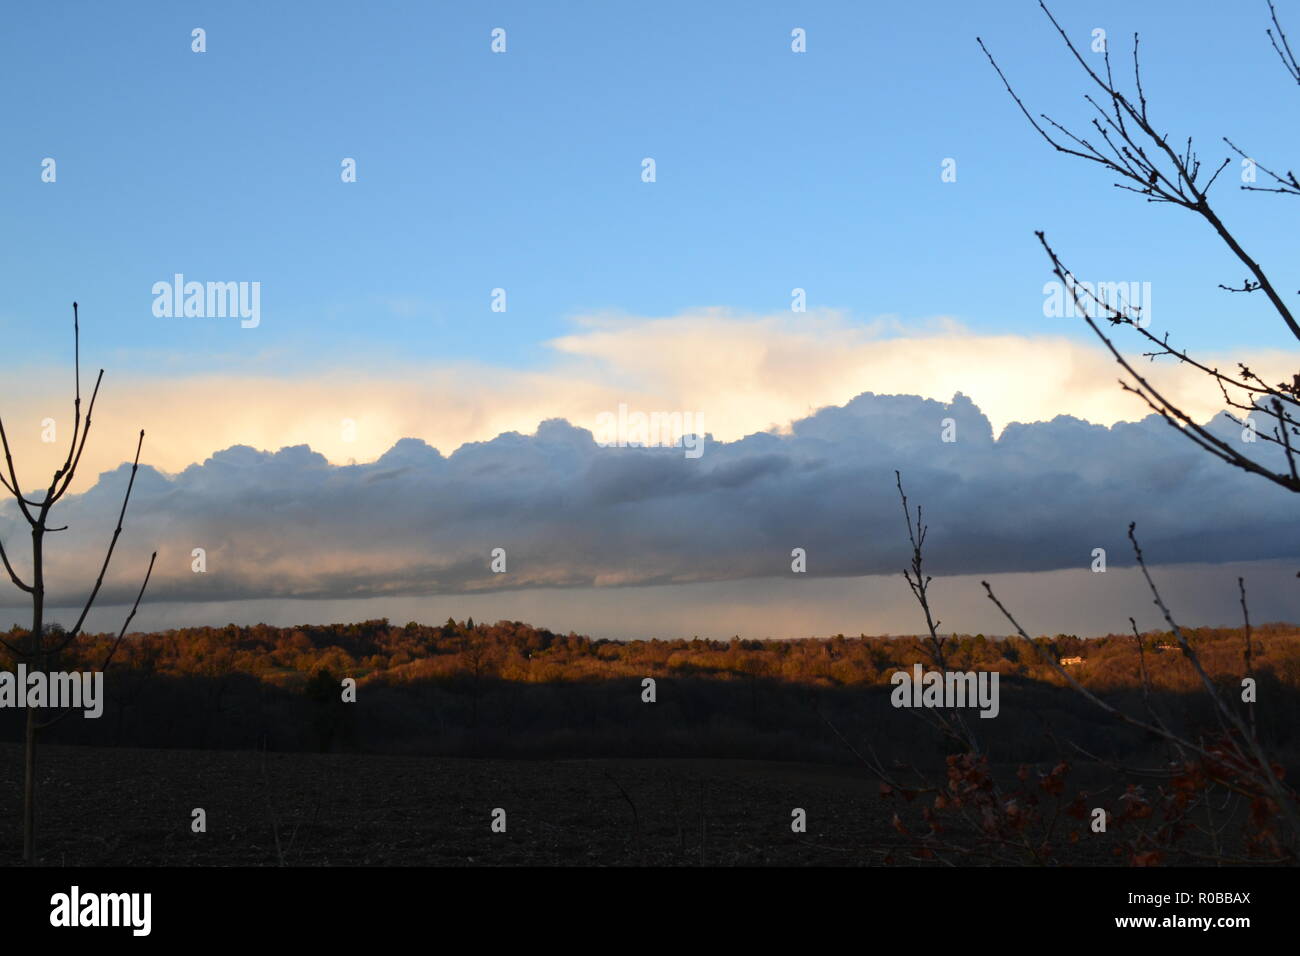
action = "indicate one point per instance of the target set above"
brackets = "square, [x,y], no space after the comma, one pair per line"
[521,170]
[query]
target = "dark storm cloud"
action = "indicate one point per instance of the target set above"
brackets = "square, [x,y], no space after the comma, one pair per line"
[571,514]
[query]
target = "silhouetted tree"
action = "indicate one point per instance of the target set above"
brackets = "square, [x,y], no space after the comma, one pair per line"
[42,644]
[1131,147]
[328,707]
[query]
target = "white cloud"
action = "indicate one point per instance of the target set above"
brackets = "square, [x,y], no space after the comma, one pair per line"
[743,373]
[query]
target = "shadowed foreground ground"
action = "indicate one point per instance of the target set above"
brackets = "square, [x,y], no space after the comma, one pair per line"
[119,806]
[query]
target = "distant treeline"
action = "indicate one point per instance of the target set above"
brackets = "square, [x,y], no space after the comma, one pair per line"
[509,689]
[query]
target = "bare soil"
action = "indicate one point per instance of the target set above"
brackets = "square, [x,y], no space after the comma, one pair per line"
[104,806]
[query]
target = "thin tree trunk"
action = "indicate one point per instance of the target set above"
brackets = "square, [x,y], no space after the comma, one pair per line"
[36,659]
[29,789]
